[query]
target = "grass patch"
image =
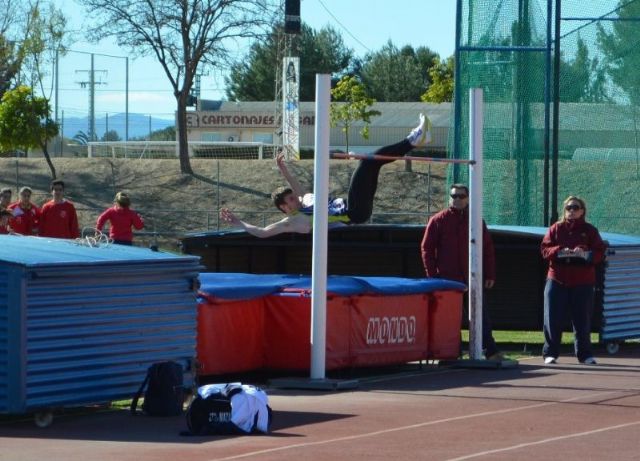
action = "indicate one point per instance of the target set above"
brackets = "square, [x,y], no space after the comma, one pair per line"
[521,344]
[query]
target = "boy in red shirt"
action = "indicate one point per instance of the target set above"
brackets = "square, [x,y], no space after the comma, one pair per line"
[58,218]
[26,215]
[121,219]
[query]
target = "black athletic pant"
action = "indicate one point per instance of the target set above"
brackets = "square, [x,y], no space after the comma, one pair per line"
[364,181]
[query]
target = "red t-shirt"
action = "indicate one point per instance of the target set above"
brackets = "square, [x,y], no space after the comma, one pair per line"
[24,221]
[121,221]
[59,220]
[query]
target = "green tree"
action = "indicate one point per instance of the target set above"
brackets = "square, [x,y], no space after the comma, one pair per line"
[441,88]
[393,74]
[165,134]
[352,105]
[14,32]
[619,45]
[253,77]
[622,58]
[28,33]
[111,136]
[184,36]
[25,122]
[582,79]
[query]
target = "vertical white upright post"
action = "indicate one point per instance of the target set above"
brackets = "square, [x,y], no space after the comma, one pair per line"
[476,280]
[320,228]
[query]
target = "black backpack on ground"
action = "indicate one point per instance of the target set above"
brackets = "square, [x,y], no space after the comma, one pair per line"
[165,390]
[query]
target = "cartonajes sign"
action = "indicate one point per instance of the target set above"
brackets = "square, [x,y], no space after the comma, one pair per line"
[240,120]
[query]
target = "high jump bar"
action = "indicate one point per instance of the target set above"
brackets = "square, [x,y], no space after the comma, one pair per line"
[343,155]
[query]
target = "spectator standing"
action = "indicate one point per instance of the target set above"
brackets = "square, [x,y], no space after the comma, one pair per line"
[5,216]
[445,254]
[58,218]
[26,215]
[573,248]
[5,198]
[121,220]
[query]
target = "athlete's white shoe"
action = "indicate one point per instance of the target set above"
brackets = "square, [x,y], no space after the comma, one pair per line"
[421,135]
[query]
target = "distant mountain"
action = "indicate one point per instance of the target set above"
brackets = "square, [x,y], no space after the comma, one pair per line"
[139,125]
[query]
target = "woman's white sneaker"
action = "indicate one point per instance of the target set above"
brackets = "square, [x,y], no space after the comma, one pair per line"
[549,360]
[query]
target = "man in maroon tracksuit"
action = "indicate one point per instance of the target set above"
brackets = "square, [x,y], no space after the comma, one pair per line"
[445,254]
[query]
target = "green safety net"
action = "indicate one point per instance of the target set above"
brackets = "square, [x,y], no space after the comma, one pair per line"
[507,48]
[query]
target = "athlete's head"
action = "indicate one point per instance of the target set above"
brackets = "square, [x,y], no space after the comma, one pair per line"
[285,200]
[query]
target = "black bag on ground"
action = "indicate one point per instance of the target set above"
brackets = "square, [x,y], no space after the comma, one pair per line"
[211,415]
[165,390]
[214,414]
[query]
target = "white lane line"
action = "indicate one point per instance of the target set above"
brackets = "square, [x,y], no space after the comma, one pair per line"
[540,442]
[409,427]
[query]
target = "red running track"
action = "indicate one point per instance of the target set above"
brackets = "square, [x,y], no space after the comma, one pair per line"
[566,411]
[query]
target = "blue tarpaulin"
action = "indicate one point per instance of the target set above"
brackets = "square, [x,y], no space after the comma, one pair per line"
[249,286]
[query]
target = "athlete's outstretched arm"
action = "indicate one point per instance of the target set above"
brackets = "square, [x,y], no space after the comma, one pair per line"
[301,225]
[292,180]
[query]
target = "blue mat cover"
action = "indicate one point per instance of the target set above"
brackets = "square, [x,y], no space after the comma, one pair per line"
[235,286]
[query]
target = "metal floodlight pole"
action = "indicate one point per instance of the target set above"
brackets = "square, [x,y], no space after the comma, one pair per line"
[320,228]
[476,279]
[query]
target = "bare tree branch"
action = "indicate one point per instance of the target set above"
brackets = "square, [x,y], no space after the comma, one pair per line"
[183,35]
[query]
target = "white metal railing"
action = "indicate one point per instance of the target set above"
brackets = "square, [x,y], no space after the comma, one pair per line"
[169,149]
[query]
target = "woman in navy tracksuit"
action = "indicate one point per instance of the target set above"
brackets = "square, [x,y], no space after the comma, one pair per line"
[573,248]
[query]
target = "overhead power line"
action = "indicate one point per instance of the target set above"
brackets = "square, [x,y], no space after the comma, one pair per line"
[343,26]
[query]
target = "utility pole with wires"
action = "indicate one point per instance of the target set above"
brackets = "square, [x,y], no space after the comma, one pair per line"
[91,84]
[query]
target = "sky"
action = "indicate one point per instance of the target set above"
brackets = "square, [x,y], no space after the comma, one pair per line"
[365,26]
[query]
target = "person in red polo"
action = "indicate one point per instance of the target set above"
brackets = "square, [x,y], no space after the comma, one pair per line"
[58,218]
[122,220]
[26,215]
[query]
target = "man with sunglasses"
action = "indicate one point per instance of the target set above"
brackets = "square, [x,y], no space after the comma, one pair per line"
[445,254]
